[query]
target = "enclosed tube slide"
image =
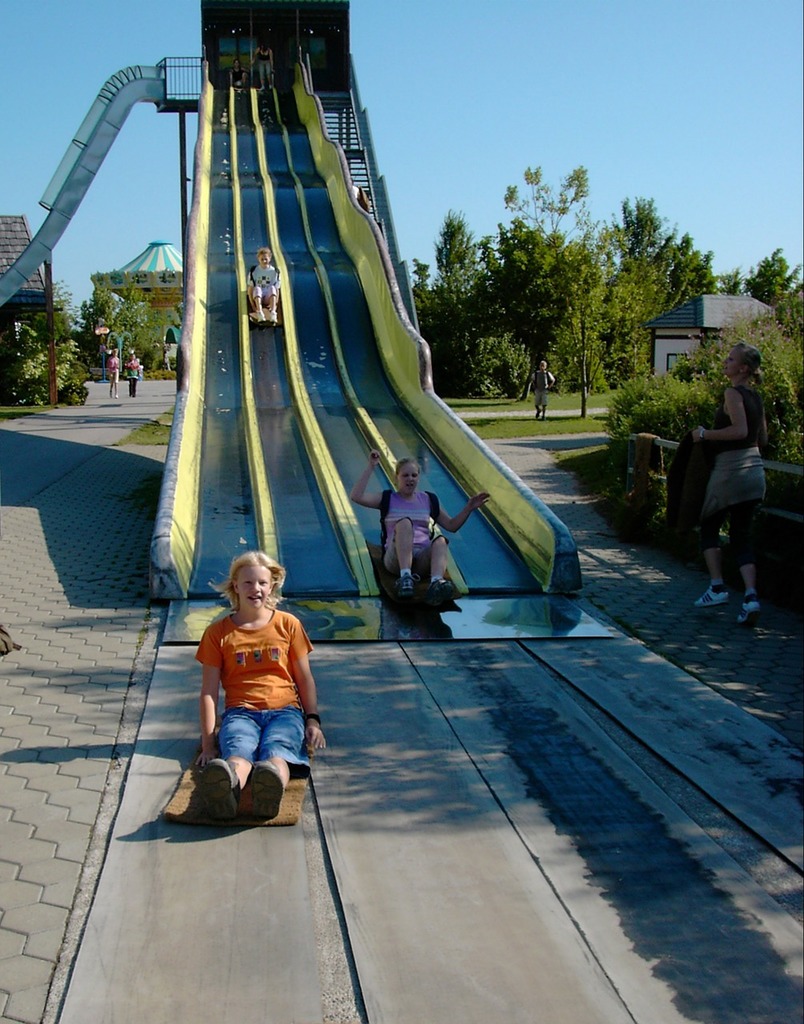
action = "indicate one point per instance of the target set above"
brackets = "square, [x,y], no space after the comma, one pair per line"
[80,164]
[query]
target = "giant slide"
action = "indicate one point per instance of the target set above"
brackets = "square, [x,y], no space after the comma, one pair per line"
[499,845]
[273,426]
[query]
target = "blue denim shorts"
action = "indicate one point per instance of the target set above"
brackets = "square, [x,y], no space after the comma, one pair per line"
[261,735]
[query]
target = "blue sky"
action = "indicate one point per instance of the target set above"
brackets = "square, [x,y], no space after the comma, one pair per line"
[696,104]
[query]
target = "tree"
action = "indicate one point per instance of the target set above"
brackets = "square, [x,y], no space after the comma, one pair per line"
[525,265]
[772,279]
[544,208]
[99,309]
[446,306]
[688,272]
[730,282]
[24,358]
[633,296]
[132,322]
[522,277]
[641,236]
[581,338]
[653,271]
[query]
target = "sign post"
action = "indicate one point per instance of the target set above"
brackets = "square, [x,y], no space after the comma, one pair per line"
[102,330]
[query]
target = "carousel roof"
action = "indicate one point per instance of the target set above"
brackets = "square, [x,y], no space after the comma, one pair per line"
[158,256]
[157,271]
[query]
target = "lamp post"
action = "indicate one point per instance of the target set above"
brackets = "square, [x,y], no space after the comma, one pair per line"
[102,330]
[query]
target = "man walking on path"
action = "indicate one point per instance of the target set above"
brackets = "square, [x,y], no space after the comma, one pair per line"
[542,381]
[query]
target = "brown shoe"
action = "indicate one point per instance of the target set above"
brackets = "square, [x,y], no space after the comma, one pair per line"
[267,790]
[220,789]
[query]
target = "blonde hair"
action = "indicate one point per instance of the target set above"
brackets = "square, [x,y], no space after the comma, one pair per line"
[264,248]
[408,460]
[276,570]
[752,358]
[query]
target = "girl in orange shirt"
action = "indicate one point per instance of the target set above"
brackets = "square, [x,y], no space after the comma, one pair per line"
[259,655]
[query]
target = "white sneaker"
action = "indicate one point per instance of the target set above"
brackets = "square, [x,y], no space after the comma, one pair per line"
[749,613]
[712,597]
[261,316]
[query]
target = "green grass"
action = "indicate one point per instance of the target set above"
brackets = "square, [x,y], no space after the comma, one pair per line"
[501,429]
[13,412]
[590,465]
[154,432]
[506,405]
[502,424]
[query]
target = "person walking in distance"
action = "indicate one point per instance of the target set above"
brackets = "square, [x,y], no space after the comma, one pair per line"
[133,368]
[113,369]
[542,381]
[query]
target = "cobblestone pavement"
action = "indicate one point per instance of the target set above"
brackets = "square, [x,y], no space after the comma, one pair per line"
[650,594]
[74,578]
[74,535]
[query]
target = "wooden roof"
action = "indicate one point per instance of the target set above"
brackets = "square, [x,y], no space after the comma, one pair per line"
[15,234]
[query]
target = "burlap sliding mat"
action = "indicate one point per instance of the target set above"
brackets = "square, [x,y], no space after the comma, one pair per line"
[387,581]
[186,806]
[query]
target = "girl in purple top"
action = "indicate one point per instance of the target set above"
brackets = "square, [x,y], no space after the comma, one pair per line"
[410,548]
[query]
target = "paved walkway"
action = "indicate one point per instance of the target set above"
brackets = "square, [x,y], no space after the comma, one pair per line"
[650,595]
[74,539]
[74,536]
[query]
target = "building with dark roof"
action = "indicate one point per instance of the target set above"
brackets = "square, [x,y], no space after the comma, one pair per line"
[684,328]
[15,234]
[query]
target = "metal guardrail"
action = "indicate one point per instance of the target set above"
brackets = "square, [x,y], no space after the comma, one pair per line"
[777,467]
[183,81]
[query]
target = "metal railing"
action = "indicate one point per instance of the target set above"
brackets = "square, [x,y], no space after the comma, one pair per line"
[183,81]
[776,467]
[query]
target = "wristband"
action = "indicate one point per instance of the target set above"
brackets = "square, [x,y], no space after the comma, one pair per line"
[314,716]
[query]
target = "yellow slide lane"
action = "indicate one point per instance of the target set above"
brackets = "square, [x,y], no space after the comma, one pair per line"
[524,518]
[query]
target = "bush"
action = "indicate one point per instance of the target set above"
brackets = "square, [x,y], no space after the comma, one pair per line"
[494,367]
[665,406]
[782,389]
[670,406]
[25,377]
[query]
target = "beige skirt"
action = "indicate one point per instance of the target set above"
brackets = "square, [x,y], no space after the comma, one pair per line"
[738,475]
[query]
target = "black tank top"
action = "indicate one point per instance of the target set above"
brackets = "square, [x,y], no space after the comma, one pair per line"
[754,412]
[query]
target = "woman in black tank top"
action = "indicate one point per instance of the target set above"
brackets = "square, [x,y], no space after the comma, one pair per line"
[737,483]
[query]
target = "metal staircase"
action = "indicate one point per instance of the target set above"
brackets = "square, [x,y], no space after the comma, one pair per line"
[342,127]
[346,122]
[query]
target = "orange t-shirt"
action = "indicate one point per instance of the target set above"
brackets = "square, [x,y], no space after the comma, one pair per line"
[256,664]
